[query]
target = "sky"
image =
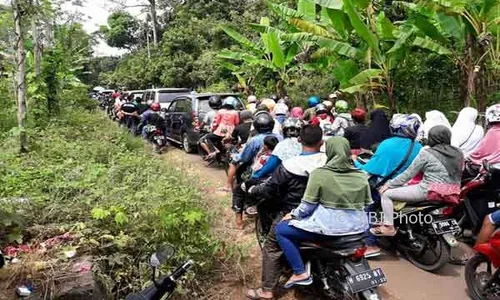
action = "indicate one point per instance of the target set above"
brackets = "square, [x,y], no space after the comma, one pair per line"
[97,12]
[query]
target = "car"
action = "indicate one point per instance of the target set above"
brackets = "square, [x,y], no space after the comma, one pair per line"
[136,93]
[185,114]
[163,95]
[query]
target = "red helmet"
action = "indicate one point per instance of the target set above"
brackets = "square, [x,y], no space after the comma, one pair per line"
[359,115]
[155,106]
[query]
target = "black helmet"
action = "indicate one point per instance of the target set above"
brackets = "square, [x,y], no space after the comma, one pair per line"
[275,98]
[263,122]
[261,107]
[215,102]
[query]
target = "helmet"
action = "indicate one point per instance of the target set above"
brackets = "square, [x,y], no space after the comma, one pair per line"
[313,101]
[405,125]
[328,104]
[246,115]
[333,96]
[359,115]
[281,109]
[321,109]
[230,101]
[269,103]
[260,108]
[155,106]
[297,112]
[493,114]
[341,106]
[291,127]
[252,99]
[263,122]
[274,98]
[215,102]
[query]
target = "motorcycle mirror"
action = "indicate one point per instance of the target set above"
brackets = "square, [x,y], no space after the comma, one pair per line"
[161,256]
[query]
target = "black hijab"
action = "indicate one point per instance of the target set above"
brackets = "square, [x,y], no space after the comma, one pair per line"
[377,131]
[451,157]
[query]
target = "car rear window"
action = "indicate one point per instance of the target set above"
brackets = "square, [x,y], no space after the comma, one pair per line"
[165,96]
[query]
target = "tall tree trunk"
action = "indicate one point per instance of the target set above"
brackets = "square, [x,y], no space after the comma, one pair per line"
[154,20]
[17,10]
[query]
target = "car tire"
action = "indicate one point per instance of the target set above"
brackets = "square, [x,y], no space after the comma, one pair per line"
[188,148]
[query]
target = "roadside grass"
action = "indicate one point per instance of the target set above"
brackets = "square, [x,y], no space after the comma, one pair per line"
[86,176]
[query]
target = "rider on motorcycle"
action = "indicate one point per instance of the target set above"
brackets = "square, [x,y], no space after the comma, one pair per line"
[252,103]
[354,133]
[333,205]
[285,189]
[215,102]
[389,154]
[263,123]
[151,117]
[281,111]
[441,165]
[343,120]
[226,120]
[286,149]
[130,113]
[311,111]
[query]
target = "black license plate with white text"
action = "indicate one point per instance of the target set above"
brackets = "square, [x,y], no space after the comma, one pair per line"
[445,226]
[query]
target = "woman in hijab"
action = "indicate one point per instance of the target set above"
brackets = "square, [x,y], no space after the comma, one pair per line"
[332,205]
[442,167]
[434,118]
[466,135]
[489,148]
[377,131]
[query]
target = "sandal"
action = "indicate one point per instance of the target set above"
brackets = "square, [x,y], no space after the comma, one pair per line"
[307,281]
[255,294]
[382,231]
[225,189]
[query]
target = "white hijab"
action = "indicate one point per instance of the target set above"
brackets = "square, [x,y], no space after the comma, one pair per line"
[434,118]
[466,135]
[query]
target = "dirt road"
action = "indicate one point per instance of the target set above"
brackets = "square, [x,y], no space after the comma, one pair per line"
[405,282]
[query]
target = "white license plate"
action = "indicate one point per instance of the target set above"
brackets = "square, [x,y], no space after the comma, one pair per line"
[366,280]
[445,226]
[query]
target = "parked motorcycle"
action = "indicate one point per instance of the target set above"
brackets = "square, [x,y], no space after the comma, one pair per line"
[165,285]
[222,158]
[425,234]
[482,271]
[481,196]
[156,137]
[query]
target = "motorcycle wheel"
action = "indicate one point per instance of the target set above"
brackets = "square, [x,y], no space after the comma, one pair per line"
[476,279]
[434,256]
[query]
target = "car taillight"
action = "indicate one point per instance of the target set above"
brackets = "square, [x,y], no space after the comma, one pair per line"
[196,121]
[358,254]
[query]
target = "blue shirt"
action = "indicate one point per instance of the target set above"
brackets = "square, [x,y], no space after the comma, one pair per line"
[389,155]
[253,147]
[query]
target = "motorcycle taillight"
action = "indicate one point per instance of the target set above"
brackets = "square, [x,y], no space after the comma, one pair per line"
[158,131]
[358,254]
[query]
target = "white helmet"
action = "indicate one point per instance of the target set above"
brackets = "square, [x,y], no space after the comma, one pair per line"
[252,99]
[493,114]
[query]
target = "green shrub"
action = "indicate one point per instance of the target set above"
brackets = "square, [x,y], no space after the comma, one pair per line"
[86,175]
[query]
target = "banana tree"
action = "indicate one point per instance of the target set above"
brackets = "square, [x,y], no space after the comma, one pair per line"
[268,53]
[468,32]
[383,45]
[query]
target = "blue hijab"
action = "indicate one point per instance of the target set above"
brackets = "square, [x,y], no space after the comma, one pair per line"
[389,155]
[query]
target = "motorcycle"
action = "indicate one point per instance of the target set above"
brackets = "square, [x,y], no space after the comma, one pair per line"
[338,266]
[156,137]
[425,234]
[481,196]
[484,282]
[222,158]
[165,285]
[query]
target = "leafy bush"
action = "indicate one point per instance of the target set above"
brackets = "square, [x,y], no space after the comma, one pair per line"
[87,176]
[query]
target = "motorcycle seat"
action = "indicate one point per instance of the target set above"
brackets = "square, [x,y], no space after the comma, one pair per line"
[341,242]
[426,203]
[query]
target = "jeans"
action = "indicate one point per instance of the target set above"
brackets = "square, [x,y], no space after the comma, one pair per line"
[370,239]
[289,239]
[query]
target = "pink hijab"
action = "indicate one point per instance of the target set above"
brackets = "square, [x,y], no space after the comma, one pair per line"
[297,112]
[489,148]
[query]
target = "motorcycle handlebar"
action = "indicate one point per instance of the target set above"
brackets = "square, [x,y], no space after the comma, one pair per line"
[165,285]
